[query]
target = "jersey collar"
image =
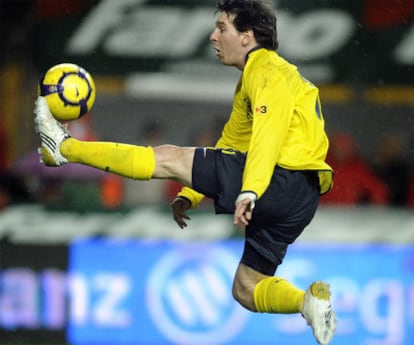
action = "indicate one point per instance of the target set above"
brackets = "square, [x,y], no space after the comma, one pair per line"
[251,51]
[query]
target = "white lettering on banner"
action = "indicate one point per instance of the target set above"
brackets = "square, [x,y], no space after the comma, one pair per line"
[78,306]
[385,322]
[404,53]
[97,300]
[411,305]
[347,292]
[147,31]
[104,17]
[54,285]
[113,288]
[189,297]
[154,32]
[314,34]
[18,298]
[32,300]
[132,28]
[380,303]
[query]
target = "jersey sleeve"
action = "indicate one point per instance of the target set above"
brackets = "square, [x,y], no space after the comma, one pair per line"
[190,194]
[272,106]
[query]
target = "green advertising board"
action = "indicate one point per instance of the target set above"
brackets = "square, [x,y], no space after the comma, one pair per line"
[362,42]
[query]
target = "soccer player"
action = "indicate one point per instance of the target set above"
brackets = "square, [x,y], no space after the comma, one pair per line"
[267,169]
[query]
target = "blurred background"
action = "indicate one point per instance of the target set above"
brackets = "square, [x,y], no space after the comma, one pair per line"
[91,258]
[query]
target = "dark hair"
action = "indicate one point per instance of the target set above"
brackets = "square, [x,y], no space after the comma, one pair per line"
[256,15]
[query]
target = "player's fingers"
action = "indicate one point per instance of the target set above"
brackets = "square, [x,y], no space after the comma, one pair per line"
[248,215]
[179,212]
[236,216]
[181,223]
[240,214]
[180,219]
[241,222]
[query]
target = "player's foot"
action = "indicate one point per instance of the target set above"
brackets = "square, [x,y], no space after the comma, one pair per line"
[318,312]
[52,133]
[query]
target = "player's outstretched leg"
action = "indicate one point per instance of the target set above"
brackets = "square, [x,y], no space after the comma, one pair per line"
[137,162]
[52,133]
[318,312]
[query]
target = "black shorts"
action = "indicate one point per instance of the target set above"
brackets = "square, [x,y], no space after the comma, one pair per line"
[280,215]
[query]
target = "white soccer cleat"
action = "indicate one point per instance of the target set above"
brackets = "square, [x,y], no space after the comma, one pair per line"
[318,312]
[52,133]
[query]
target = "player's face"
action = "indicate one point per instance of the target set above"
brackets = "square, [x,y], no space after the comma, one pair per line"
[228,42]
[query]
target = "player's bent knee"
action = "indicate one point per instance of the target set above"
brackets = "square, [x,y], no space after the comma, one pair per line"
[244,296]
[169,160]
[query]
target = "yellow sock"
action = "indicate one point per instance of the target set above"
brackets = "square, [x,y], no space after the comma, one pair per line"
[137,162]
[277,295]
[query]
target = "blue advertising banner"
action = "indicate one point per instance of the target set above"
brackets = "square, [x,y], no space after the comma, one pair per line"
[150,292]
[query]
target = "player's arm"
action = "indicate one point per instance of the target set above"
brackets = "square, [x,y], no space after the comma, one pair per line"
[271,118]
[272,108]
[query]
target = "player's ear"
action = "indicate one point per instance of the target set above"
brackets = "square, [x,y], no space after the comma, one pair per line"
[247,37]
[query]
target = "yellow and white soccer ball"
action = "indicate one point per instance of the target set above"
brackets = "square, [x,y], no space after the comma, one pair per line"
[69,90]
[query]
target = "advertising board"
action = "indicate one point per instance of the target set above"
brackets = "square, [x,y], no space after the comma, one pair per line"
[133,292]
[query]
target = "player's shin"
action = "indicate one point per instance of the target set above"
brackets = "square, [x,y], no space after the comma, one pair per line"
[276,295]
[137,162]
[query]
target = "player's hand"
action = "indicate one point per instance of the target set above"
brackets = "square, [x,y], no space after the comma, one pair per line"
[245,203]
[179,206]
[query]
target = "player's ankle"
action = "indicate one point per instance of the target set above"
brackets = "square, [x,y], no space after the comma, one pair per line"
[67,147]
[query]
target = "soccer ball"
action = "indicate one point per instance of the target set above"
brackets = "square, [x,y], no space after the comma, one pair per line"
[69,90]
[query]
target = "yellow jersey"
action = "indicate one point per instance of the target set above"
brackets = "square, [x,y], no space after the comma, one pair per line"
[277,120]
